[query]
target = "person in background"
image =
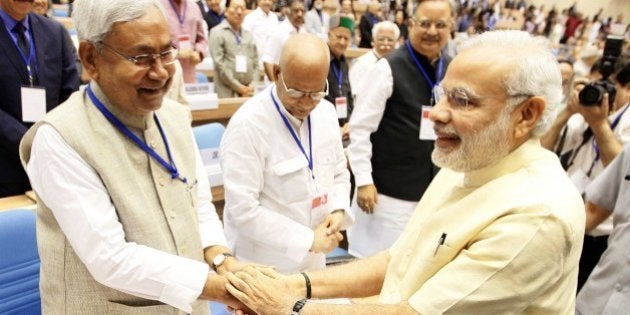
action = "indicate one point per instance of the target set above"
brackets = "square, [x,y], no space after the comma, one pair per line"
[37,59]
[42,7]
[368,19]
[293,24]
[587,139]
[234,54]
[339,89]
[316,19]
[125,219]
[211,12]
[187,30]
[386,36]
[401,23]
[260,23]
[390,138]
[499,230]
[606,290]
[568,76]
[286,183]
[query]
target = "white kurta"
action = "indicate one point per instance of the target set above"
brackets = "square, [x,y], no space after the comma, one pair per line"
[269,189]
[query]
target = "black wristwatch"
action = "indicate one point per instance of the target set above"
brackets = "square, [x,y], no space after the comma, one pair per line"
[297,307]
[219,259]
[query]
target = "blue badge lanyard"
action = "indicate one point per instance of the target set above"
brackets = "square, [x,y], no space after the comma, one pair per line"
[596,148]
[169,166]
[238,37]
[338,74]
[31,56]
[181,18]
[424,73]
[309,158]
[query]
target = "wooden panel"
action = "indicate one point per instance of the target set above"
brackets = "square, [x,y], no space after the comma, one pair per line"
[15,202]
[227,108]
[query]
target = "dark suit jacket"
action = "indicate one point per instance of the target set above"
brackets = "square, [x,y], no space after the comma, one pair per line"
[57,73]
[211,19]
[365,27]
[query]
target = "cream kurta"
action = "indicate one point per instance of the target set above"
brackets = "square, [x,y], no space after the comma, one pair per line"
[513,237]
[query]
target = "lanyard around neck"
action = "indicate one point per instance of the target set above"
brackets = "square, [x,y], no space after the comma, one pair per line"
[338,74]
[309,157]
[31,55]
[181,17]
[430,82]
[169,166]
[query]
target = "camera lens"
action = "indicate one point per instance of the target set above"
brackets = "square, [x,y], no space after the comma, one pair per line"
[591,95]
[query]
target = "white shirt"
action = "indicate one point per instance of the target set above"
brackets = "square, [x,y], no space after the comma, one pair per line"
[585,157]
[359,69]
[368,111]
[316,25]
[269,190]
[81,205]
[275,41]
[260,25]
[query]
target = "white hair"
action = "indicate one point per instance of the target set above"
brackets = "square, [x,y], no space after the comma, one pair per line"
[378,27]
[94,19]
[535,72]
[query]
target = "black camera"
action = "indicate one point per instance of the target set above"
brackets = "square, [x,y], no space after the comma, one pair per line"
[592,93]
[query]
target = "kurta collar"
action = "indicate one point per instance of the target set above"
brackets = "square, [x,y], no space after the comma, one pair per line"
[523,155]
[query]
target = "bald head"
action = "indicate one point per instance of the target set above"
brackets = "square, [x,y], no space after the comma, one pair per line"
[304,51]
[303,67]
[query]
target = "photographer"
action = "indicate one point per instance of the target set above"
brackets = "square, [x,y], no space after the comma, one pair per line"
[587,138]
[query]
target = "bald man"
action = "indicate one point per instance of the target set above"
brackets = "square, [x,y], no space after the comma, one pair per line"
[285,177]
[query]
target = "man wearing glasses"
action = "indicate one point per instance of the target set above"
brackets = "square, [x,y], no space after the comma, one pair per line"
[391,138]
[284,171]
[499,230]
[125,219]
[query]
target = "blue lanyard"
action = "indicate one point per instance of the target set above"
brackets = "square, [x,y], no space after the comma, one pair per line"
[424,73]
[238,37]
[31,56]
[182,17]
[295,137]
[170,166]
[338,74]
[596,148]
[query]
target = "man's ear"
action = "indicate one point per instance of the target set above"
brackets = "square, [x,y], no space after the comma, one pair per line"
[527,116]
[88,54]
[276,71]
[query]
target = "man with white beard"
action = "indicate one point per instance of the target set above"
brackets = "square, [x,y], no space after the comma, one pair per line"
[498,231]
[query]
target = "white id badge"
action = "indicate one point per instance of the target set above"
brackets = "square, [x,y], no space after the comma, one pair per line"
[426,125]
[341,104]
[33,103]
[241,64]
[184,42]
[580,180]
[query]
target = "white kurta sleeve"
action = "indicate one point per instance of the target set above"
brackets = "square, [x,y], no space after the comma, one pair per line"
[366,117]
[73,191]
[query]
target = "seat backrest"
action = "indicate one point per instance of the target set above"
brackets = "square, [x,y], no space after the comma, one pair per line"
[19,263]
[209,135]
[201,77]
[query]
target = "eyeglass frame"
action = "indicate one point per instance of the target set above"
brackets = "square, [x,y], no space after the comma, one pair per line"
[135,59]
[449,95]
[435,24]
[318,95]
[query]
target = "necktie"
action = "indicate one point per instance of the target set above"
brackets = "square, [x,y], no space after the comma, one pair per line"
[22,42]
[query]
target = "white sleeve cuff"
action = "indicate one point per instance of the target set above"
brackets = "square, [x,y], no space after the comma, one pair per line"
[300,245]
[184,289]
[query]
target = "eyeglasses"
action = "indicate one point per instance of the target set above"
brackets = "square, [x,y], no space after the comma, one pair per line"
[293,93]
[426,24]
[459,98]
[147,60]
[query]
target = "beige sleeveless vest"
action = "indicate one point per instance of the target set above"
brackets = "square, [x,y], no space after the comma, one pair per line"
[154,210]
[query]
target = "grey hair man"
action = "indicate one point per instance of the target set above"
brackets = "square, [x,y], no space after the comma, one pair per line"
[125,218]
[499,230]
[385,35]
